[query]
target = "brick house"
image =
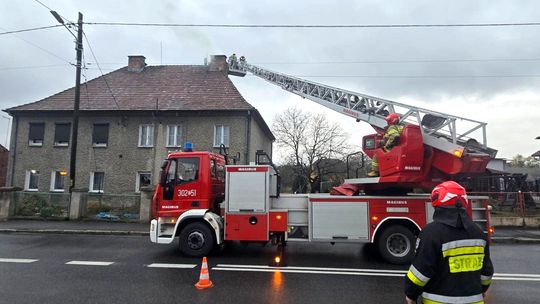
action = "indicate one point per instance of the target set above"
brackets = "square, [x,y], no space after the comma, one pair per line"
[129,120]
[3,165]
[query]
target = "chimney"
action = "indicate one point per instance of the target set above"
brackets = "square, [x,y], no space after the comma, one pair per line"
[136,63]
[219,63]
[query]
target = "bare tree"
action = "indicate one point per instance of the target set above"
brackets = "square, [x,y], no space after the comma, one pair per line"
[306,138]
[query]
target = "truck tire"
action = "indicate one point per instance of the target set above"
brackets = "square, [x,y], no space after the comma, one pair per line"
[196,240]
[396,244]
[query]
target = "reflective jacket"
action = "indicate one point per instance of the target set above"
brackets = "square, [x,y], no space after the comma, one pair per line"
[452,262]
[391,137]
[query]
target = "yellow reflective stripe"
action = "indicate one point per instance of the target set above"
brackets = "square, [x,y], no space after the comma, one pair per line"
[428,301]
[463,250]
[465,263]
[414,279]
[485,282]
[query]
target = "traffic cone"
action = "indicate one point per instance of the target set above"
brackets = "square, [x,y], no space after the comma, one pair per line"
[204,278]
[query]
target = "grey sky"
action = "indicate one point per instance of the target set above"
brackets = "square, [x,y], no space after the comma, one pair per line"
[420,66]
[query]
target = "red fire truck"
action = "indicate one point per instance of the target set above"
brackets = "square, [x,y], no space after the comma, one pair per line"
[205,202]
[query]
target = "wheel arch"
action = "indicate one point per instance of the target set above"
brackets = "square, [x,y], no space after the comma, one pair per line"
[391,221]
[210,219]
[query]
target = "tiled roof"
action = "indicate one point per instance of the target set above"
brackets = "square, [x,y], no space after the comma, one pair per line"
[165,88]
[536,154]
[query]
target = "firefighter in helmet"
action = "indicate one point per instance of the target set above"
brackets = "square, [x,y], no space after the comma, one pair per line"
[390,139]
[452,262]
[233,61]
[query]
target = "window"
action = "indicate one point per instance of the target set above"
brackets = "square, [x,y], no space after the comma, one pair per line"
[188,169]
[31,182]
[144,179]
[96,181]
[174,135]
[221,135]
[62,134]
[57,180]
[146,135]
[35,134]
[100,135]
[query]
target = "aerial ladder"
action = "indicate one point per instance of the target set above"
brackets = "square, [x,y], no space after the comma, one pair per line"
[434,146]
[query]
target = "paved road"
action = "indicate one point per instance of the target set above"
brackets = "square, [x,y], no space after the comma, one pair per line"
[50,268]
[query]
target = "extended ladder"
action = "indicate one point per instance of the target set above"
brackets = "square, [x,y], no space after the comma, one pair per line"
[442,131]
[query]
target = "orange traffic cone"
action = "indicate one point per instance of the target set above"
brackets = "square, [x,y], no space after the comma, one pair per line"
[204,278]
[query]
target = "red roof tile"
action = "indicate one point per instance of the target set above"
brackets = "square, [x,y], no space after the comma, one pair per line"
[162,87]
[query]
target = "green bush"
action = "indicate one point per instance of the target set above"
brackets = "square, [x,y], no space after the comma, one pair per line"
[31,205]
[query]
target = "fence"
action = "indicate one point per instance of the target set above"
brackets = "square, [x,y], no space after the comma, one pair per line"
[41,205]
[513,203]
[75,206]
[112,207]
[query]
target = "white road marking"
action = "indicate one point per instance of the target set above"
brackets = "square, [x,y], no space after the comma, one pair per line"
[164,265]
[285,270]
[90,263]
[315,268]
[354,271]
[3,260]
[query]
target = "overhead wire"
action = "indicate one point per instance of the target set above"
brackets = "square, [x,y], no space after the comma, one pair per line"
[30,29]
[100,70]
[316,25]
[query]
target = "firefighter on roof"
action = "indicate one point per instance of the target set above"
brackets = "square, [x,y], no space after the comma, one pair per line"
[452,263]
[390,139]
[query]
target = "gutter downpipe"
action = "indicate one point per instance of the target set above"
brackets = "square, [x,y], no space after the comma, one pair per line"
[13,150]
[248,136]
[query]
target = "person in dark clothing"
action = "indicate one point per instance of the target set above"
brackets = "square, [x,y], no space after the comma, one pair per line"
[452,262]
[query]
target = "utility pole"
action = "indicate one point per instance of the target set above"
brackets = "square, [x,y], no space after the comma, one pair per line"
[75,127]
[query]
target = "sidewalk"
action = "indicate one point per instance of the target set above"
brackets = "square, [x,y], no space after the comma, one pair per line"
[502,234]
[74,227]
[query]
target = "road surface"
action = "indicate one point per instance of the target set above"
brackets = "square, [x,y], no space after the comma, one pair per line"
[56,268]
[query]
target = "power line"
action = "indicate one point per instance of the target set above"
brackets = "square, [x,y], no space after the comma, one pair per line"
[407,61]
[418,76]
[316,25]
[34,67]
[101,71]
[30,29]
[39,47]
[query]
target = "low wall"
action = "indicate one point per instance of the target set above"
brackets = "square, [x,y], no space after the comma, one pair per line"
[515,221]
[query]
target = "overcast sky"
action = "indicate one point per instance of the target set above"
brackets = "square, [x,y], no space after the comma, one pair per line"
[489,74]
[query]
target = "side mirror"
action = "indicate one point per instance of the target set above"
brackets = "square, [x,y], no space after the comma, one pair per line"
[163,178]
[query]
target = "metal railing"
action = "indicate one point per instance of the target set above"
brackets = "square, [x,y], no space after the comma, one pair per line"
[513,203]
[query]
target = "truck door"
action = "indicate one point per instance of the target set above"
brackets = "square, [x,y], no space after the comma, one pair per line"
[182,187]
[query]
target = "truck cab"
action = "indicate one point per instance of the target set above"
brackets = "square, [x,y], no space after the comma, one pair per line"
[189,180]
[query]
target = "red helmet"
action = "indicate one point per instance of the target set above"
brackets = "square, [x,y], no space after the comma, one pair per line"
[392,119]
[448,194]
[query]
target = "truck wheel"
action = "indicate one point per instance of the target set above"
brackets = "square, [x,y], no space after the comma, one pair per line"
[396,245]
[196,240]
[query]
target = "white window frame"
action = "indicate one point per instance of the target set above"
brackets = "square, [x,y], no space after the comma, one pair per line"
[37,142]
[177,129]
[27,181]
[91,185]
[221,129]
[149,140]
[53,182]
[138,180]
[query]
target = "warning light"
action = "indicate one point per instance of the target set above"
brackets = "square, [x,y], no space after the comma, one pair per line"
[277,260]
[458,153]
[63,173]
[374,218]
[491,230]
[278,217]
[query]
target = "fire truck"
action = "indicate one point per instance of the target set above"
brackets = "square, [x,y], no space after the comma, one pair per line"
[205,201]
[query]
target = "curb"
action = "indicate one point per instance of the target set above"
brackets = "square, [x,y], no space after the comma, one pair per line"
[514,240]
[71,231]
